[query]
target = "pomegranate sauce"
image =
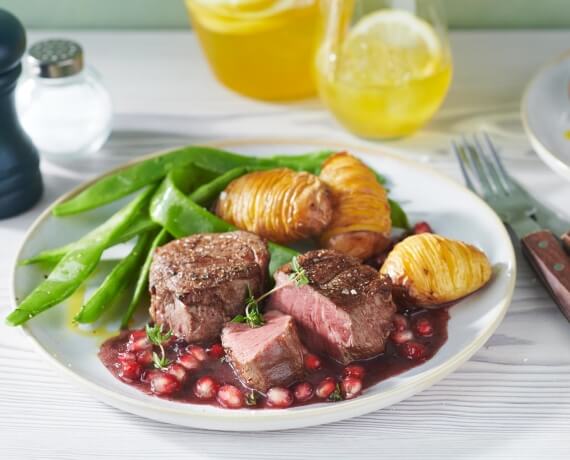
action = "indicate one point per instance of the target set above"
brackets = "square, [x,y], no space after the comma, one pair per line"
[192,373]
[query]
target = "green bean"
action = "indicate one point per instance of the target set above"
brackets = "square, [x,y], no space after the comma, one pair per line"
[52,256]
[179,215]
[77,264]
[398,216]
[208,192]
[115,281]
[142,279]
[132,178]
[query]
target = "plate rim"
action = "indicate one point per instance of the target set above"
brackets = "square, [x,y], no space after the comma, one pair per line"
[312,415]
[544,153]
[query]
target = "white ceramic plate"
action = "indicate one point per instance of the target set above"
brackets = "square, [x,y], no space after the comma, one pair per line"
[546,115]
[451,209]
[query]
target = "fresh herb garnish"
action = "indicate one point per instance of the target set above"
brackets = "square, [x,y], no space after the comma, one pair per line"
[253,316]
[251,398]
[336,395]
[299,276]
[160,362]
[157,337]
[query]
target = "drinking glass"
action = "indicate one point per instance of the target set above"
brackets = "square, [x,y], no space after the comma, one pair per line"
[260,48]
[383,67]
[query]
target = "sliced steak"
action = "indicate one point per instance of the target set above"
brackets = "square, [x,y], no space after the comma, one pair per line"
[266,356]
[345,311]
[200,282]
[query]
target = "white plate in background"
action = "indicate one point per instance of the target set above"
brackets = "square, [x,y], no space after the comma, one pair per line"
[545,113]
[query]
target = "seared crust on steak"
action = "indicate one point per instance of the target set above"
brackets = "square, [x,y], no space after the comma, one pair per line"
[346,310]
[199,282]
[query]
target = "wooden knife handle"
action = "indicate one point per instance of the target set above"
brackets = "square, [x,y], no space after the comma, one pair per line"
[552,265]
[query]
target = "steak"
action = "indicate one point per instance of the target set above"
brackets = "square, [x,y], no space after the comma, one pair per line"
[266,356]
[345,311]
[199,282]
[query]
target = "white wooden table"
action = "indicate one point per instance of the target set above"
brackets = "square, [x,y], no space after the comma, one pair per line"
[511,401]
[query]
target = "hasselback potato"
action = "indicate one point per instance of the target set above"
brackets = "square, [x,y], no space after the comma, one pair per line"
[433,270]
[279,204]
[361,223]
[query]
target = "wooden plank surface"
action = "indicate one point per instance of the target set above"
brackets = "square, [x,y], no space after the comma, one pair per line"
[511,401]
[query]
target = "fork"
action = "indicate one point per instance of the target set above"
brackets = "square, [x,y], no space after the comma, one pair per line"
[485,175]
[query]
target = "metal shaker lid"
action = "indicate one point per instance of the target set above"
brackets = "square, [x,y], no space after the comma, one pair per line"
[55,58]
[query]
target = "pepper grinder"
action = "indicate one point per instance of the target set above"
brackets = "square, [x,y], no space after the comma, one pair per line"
[20,178]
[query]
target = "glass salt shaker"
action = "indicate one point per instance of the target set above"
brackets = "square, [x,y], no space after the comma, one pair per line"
[62,104]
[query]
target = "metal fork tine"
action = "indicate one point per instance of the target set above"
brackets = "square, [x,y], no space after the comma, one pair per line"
[476,167]
[461,160]
[492,172]
[503,175]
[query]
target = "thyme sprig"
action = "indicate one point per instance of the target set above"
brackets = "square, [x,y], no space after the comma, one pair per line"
[251,398]
[253,316]
[157,337]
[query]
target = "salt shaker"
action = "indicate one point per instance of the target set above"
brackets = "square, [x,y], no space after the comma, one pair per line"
[20,178]
[62,103]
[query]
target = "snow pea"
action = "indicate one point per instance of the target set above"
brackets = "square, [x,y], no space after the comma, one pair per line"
[142,280]
[141,224]
[133,178]
[115,281]
[207,193]
[180,216]
[398,215]
[78,264]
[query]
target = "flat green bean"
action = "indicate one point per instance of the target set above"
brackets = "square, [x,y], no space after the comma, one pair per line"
[398,215]
[115,281]
[142,280]
[141,224]
[132,178]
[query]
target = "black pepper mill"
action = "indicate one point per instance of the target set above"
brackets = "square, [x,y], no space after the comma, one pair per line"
[20,179]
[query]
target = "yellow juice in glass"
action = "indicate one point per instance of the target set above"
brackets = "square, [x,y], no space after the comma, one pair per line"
[386,76]
[260,48]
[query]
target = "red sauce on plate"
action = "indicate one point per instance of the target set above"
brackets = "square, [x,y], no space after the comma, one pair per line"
[423,333]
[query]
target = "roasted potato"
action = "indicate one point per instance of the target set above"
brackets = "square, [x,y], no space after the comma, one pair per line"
[361,223]
[279,204]
[433,270]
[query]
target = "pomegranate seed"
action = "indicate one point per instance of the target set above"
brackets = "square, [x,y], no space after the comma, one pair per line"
[303,391]
[198,352]
[188,361]
[230,397]
[162,383]
[148,374]
[178,371]
[279,397]
[130,371]
[216,351]
[350,387]
[138,341]
[400,337]
[354,370]
[424,327]
[127,356]
[144,357]
[422,227]
[414,351]
[206,387]
[325,388]
[312,362]
[138,334]
[400,322]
